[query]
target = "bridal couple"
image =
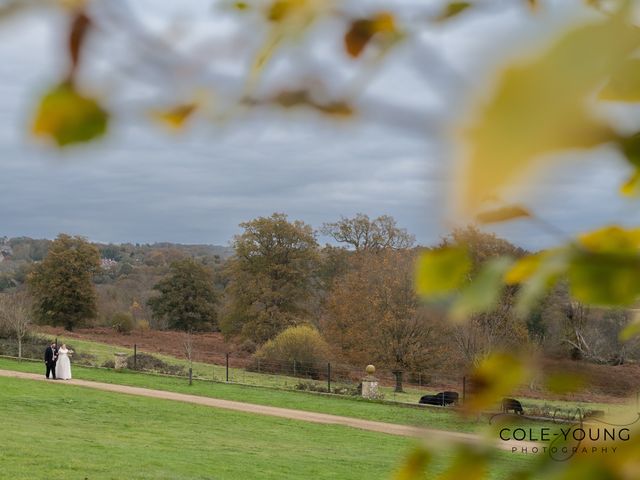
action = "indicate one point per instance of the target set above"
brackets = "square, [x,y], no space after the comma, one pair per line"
[57,361]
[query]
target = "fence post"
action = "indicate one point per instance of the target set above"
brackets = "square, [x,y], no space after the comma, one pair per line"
[294,368]
[328,377]
[227,358]
[135,356]
[464,389]
[190,376]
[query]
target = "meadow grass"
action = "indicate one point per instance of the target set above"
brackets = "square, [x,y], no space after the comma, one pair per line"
[432,417]
[51,430]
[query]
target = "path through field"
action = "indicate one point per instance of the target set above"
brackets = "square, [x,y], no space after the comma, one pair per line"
[430,435]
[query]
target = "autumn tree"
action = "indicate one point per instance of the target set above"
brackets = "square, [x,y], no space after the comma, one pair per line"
[270,278]
[62,285]
[373,313]
[499,328]
[362,233]
[187,297]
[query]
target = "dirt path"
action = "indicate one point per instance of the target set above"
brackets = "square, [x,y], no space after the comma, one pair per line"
[430,435]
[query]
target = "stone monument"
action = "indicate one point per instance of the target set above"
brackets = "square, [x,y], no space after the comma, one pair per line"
[120,361]
[370,384]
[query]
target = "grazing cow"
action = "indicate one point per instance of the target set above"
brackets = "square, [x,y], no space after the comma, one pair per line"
[509,404]
[442,398]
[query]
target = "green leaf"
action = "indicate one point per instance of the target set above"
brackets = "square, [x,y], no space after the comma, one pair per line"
[67,117]
[442,271]
[484,291]
[624,84]
[503,214]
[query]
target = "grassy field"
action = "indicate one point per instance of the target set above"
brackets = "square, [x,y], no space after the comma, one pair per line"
[102,352]
[51,430]
[350,407]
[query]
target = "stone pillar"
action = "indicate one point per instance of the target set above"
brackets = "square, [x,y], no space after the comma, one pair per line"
[370,384]
[120,361]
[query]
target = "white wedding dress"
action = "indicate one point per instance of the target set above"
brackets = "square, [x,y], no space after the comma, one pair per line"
[63,366]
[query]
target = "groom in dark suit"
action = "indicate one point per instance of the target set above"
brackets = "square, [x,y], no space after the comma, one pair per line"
[50,359]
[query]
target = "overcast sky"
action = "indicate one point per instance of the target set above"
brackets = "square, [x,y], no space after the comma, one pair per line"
[142,185]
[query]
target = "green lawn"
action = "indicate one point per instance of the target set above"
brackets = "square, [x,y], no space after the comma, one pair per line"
[51,430]
[432,417]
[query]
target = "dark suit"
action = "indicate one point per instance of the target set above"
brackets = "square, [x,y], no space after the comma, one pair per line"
[50,359]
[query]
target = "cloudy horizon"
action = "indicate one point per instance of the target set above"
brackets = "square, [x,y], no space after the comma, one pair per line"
[142,185]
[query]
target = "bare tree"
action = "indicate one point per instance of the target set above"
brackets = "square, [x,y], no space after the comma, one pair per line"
[187,345]
[14,314]
[364,234]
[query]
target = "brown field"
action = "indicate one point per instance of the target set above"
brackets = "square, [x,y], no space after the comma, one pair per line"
[208,347]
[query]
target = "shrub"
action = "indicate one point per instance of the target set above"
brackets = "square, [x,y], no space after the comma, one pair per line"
[143,325]
[150,363]
[122,322]
[297,350]
[248,346]
[311,387]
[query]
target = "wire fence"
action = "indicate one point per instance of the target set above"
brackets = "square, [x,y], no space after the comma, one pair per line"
[322,377]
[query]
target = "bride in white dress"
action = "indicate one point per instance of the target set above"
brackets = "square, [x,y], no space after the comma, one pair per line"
[63,366]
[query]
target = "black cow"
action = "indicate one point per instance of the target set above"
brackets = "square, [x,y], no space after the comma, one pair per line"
[442,398]
[509,404]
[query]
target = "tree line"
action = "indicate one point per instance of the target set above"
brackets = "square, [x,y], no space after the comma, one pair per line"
[358,295]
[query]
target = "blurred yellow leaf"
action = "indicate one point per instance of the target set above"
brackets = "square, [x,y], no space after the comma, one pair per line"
[607,279]
[361,32]
[631,330]
[612,239]
[503,214]
[451,10]
[177,116]
[494,378]
[414,465]
[631,187]
[296,98]
[540,107]
[630,147]
[68,117]
[524,268]
[533,4]
[563,382]
[483,293]
[469,463]
[536,274]
[289,20]
[442,271]
[624,84]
